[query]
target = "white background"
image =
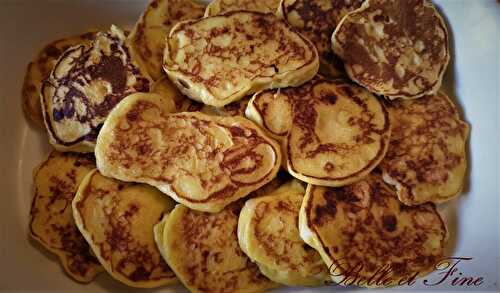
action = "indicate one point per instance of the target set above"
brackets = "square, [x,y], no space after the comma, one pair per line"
[472,79]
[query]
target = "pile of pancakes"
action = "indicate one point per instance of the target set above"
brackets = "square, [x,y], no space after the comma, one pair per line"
[246,145]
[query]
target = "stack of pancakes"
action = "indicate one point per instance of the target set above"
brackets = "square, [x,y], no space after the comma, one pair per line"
[243,146]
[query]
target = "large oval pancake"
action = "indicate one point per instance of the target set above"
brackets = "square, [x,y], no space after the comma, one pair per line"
[217,7]
[363,227]
[202,161]
[426,160]
[55,182]
[316,20]
[202,249]
[39,69]
[333,132]
[85,84]
[117,220]
[147,39]
[268,233]
[220,59]
[390,55]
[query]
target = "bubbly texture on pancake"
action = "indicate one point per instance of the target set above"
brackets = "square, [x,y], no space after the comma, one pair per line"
[85,84]
[202,249]
[217,7]
[426,159]
[55,183]
[268,233]
[316,20]
[333,132]
[147,39]
[202,161]
[390,55]
[39,69]
[218,60]
[117,219]
[363,228]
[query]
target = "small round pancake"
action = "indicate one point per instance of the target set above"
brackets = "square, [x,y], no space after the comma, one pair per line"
[268,233]
[202,161]
[117,220]
[202,249]
[426,160]
[388,54]
[316,20]
[147,39]
[39,69]
[55,182]
[217,7]
[85,84]
[333,132]
[364,228]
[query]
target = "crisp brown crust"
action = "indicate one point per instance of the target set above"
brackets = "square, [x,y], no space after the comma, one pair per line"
[85,84]
[364,224]
[39,69]
[390,55]
[316,20]
[426,159]
[51,218]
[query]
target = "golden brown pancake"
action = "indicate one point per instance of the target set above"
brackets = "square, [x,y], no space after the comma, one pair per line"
[426,160]
[363,228]
[316,20]
[148,36]
[39,69]
[268,233]
[218,60]
[117,220]
[202,249]
[55,182]
[202,161]
[85,84]
[390,55]
[217,7]
[332,132]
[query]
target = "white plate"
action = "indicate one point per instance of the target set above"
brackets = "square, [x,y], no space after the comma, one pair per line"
[472,78]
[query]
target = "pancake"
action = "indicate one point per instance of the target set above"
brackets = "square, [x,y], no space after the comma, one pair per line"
[147,39]
[268,233]
[202,249]
[202,161]
[363,230]
[85,84]
[426,160]
[217,7]
[55,182]
[39,69]
[117,220]
[316,20]
[332,132]
[218,60]
[390,55]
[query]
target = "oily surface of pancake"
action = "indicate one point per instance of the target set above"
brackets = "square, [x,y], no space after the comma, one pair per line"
[147,39]
[202,249]
[117,219]
[39,69]
[268,233]
[218,60]
[426,159]
[55,182]
[85,84]
[316,20]
[217,7]
[363,228]
[333,132]
[388,54]
[202,161]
